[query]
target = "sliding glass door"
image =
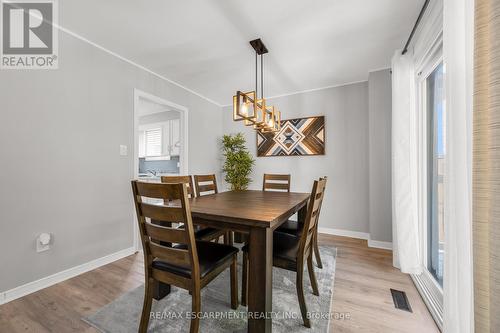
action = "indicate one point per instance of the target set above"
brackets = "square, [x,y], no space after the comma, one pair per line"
[436,153]
[431,115]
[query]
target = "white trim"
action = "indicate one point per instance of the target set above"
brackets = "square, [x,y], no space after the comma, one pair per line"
[379,244]
[428,54]
[358,235]
[184,154]
[322,88]
[344,233]
[310,90]
[432,294]
[102,48]
[50,280]
[315,89]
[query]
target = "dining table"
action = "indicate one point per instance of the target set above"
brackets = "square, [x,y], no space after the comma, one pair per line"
[257,214]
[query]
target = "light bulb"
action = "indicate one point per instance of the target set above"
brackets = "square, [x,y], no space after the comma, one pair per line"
[244,109]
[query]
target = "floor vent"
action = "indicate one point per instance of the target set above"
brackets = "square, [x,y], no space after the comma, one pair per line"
[400,300]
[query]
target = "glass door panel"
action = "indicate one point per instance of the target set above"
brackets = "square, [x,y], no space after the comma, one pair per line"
[436,153]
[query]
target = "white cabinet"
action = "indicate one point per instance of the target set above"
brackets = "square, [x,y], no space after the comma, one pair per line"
[175,137]
[167,134]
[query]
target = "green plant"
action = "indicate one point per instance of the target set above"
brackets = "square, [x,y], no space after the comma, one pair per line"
[238,162]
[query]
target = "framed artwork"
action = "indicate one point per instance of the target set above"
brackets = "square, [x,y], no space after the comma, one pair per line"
[297,137]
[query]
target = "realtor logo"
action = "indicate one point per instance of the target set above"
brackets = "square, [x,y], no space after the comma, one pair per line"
[29,39]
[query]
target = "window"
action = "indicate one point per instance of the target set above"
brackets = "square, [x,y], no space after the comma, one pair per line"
[436,153]
[153,140]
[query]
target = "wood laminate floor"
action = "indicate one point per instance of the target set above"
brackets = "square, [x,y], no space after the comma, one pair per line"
[361,293]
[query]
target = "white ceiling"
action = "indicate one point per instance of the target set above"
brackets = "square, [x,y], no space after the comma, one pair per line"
[203,44]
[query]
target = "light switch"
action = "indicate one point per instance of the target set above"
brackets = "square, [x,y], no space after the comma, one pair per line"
[123,150]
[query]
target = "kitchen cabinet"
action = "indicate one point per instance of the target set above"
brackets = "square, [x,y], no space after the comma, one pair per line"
[175,137]
[170,139]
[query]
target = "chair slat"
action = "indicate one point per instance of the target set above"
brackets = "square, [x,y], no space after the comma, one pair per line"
[204,178]
[276,182]
[180,179]
[277,177]
[277,186]
[206,188]
[166,234]
[317,204]
[177,257]
[157,191]
[162,213]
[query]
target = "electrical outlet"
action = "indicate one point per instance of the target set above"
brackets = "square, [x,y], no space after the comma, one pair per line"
[43,242]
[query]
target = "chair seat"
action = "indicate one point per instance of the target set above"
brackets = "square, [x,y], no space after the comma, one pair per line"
[285,248]
[204,233]
[210,256]
[290,227]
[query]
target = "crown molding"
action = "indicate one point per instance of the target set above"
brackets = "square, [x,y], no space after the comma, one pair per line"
[116,55]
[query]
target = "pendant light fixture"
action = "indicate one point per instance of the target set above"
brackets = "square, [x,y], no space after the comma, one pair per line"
[249,108]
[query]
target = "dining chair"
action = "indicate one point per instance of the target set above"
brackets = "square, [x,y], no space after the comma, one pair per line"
[270,182]
[205,184]
[291,252]
[200,233]
[275,182]
[294,228]
[189,264]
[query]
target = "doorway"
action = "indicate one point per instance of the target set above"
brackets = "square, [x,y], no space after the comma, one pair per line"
[160,141]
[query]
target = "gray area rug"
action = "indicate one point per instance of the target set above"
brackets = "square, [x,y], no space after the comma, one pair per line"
[172,312]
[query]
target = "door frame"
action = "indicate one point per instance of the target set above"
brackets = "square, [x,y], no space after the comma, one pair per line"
[428,287]
[184,153]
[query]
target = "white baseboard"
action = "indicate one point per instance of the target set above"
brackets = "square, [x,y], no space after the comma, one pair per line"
[380,244]
[358,235]
[344,233]
[48,281]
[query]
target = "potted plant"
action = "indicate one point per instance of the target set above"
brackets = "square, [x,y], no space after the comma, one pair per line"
[238,162]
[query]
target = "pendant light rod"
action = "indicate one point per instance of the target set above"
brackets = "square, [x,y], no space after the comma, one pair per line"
[260,49]
[261,76]
[256,75]
[263,118]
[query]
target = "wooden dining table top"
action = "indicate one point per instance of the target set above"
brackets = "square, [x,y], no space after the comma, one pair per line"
[253,208]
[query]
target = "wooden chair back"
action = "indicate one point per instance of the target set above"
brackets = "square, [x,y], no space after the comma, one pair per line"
[153,234]
[205,184]
[188,180]
[274,182]
[325,178]
[312,217]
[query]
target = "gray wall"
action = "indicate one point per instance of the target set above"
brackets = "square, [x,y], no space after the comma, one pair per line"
[159,117]
[346,160]
[69,123]
[358,154]
[379,119]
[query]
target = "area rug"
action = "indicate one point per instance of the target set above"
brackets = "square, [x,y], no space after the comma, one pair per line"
[171,314]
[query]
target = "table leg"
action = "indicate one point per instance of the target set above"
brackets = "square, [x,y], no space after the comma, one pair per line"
[160,290]
[260,284]
[301,215]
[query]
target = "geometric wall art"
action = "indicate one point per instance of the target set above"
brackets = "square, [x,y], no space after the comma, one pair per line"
[297,137]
